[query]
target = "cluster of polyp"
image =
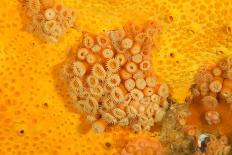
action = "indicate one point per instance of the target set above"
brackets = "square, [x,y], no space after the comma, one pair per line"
[111,80]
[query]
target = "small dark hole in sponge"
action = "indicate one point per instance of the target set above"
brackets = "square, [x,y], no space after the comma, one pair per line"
[219,52]
[107,144]
[172,55]
[170,18]
[45,104]
[21,132]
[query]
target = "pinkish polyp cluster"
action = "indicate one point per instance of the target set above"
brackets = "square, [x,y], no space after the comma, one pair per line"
[47,20]
[214,85]
[111,81]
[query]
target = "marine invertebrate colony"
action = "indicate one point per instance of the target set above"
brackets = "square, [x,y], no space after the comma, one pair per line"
[210,100]
[48,20]
[180,136]
[213,89]
[216,79]
[111,81]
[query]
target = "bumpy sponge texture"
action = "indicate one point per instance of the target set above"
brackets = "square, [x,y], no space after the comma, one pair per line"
[33,114]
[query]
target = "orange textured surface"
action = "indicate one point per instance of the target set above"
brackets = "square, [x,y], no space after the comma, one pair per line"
[193,33]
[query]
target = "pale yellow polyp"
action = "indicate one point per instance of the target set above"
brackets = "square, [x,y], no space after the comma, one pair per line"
[35,118]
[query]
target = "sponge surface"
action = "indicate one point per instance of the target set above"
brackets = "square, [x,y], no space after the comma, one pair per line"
[35,116]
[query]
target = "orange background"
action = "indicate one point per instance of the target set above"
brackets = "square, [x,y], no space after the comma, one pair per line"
[194,32]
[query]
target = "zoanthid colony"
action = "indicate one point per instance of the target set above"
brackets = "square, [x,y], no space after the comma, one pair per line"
[206,128]
[213,82]
[178,135]
[213,90]
[48,20]
[111,81]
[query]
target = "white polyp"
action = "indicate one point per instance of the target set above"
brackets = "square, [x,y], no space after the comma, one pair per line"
[79,68]
[88,41]
[96,48]
[140,83]
[131,67]
[92,81]
[145,65]
[127,43]
[136,49]
[112,65]
[151,81]
[98,71]
[137,58]
[117,94]
[120,58]
[90,58]
[107,53]
[113,80]
[155,98]
[137,94]
[129,84]
[82,53]
[49,14]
